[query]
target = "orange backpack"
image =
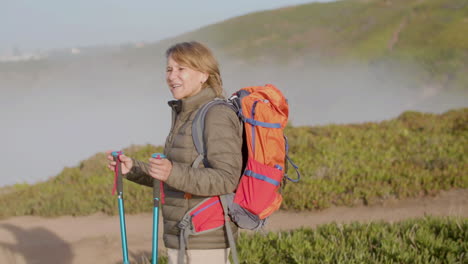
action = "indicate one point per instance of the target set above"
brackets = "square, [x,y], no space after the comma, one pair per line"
[264,112]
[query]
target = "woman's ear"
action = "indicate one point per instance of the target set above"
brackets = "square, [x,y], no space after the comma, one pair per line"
[204,77]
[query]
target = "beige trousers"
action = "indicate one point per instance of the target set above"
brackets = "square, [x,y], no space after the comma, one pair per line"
[200,256]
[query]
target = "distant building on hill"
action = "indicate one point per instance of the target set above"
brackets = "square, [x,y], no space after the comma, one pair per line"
[75,51]
[21,57]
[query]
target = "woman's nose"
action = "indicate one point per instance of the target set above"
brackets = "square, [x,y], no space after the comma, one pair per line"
[172,75]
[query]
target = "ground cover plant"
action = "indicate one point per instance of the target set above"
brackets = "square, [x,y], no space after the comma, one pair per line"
[419,241]
[426,240]
[412,155]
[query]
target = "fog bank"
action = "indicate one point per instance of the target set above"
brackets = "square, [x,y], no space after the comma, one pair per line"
[58,115]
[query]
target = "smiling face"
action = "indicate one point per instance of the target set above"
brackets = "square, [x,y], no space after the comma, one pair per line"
[183,81]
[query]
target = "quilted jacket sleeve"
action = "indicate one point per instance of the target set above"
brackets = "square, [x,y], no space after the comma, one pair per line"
[139,174]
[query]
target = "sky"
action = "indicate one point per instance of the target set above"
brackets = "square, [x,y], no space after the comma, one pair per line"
[31,25]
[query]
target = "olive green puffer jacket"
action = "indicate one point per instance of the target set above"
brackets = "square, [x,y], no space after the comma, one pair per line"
[223,137]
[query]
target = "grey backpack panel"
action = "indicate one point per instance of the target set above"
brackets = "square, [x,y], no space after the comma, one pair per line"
[242,217]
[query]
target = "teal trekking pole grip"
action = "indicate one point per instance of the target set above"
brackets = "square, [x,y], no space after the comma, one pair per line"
[154,250]
[123,232]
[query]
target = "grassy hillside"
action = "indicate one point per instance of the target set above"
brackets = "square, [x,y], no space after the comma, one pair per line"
[425,39]
[412,155]
[428,35]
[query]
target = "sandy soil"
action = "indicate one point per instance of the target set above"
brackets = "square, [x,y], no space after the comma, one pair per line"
[96,238]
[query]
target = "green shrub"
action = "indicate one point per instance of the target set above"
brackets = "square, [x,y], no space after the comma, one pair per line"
[80,190]
[415,154]
[427,240]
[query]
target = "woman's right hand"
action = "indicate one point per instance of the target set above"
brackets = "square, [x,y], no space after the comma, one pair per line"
[126,162]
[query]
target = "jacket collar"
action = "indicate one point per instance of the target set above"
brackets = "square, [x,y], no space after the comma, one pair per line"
[193,102]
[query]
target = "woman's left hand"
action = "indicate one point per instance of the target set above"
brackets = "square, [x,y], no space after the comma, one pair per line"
[160,169]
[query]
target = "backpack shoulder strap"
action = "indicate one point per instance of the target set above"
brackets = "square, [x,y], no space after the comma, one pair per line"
[198,127]
[227,223]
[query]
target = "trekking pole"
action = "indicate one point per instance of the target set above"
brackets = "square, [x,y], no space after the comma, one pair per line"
[154,252]
[119,183]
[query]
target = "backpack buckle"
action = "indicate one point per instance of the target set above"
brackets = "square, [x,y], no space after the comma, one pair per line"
[185,222]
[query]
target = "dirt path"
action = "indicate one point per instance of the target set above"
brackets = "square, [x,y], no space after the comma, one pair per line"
[452,203]
[96,238]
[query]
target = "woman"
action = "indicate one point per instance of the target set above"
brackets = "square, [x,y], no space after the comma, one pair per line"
[193,77]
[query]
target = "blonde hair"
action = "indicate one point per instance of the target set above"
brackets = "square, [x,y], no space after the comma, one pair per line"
[198,57]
